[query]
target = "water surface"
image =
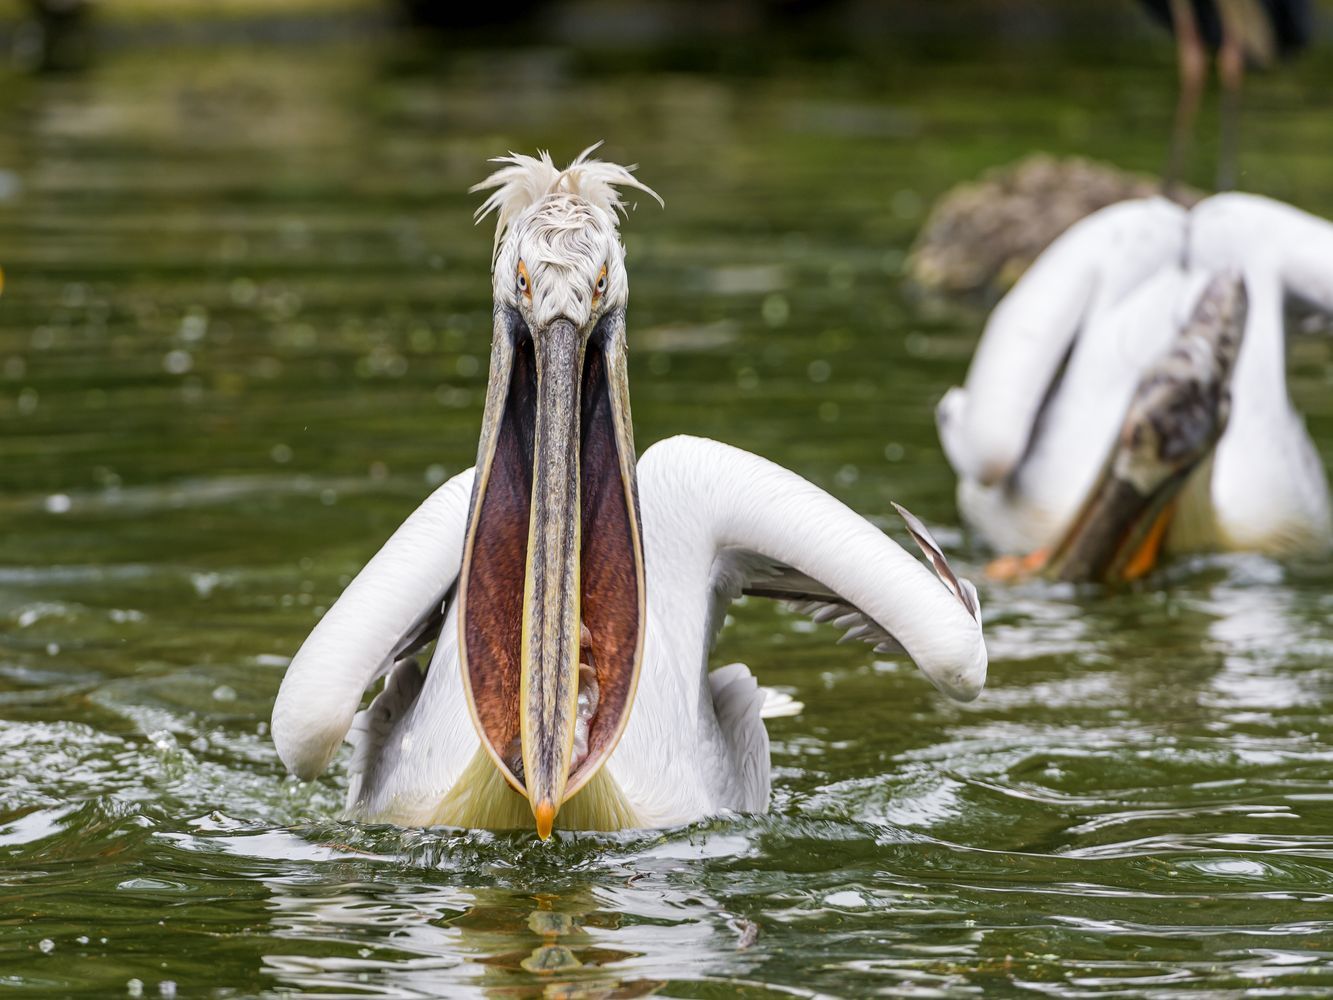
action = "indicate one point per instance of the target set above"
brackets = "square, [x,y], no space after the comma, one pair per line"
[244,332]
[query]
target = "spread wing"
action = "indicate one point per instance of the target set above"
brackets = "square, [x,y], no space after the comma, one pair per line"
[773,534]
[393,608]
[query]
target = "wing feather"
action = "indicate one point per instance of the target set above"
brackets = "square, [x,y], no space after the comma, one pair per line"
[772,579]
[391,610]
[962,589]
[770,533]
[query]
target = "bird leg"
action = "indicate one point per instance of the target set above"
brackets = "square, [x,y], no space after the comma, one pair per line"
[1231,74]
[1192,60]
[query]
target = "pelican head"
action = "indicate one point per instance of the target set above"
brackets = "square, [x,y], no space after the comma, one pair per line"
[551,593]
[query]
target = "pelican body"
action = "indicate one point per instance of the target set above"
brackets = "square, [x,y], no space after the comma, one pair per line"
[573,593]
[1073,360]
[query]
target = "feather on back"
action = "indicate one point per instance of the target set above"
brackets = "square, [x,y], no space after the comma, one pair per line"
[526,180]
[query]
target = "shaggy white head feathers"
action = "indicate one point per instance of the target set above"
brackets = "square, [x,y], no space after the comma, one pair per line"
[557,248]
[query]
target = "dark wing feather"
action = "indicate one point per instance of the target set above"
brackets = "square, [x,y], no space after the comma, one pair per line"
[772,579]
[423,632]
[962,589]
[810,597]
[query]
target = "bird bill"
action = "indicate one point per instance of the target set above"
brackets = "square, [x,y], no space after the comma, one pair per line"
[551,594]
[1178,413]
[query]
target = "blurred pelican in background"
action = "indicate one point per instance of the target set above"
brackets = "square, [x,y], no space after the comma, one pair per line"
[1129,395]
[573,593]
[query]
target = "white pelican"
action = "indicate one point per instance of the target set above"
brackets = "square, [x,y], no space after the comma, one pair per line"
[573,595]
[1086,330]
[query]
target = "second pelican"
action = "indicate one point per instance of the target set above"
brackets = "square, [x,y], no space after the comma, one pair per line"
[1153,339]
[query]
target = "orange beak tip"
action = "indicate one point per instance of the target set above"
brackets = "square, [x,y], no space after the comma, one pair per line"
[545,813]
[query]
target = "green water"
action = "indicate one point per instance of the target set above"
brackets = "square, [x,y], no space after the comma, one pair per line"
[244,331]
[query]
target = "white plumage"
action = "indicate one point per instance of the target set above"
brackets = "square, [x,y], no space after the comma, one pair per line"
[1061,355]
[716,520]
[715,523]
[526,180]
[562,224]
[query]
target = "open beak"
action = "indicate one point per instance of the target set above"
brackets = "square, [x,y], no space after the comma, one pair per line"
[1178,413]
[551,594]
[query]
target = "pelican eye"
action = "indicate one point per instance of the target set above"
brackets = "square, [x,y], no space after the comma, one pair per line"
[600,287]
[524,286]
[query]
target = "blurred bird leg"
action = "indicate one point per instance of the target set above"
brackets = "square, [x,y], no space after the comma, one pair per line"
[1192,61]
[1231,74]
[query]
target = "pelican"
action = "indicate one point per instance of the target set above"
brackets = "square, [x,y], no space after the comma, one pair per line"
[573,594]
[1062,384]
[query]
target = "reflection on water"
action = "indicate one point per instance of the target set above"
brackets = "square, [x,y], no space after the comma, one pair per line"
[503,943]
[244,332]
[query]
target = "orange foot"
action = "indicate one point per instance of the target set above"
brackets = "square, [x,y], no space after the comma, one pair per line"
[1007,569]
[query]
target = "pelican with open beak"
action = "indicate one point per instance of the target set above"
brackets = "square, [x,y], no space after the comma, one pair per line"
[572,593]
[551,591]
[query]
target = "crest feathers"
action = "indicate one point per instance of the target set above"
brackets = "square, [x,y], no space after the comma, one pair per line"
[525,180]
